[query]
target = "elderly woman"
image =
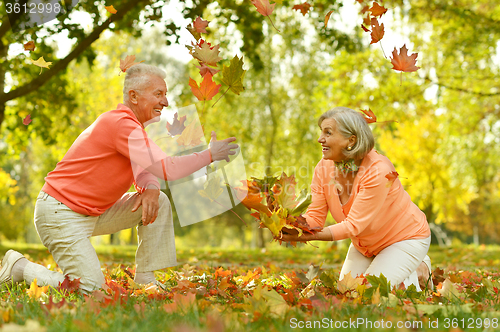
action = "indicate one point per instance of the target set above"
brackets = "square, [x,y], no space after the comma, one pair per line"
[389,234]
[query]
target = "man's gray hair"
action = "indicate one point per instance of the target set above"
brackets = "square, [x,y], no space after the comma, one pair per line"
[349,122]
[138,77]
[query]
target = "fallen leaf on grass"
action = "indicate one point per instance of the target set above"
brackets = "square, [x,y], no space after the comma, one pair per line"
[35,292]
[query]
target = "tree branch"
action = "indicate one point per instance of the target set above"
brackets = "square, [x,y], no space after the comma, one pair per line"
[77,51]
[477,93]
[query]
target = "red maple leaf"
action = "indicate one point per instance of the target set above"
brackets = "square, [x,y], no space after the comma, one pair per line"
[200,24]
[265,8]
[69,285]
[402,61]
[303,7]
[365,28]
[377,31]
[391,177]
[377,10]
[177,126]
[204,69]
[207,89]
[369,116]
[27,120]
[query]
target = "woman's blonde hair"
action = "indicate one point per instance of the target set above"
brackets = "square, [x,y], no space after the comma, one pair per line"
[349,122]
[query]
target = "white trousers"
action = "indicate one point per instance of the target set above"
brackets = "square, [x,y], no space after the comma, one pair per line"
[66,234]
[398,262]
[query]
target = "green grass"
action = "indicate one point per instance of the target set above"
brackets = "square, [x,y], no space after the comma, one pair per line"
[213,289]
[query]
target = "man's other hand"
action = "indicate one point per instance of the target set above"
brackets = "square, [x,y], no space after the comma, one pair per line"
[150,205]
[221,150]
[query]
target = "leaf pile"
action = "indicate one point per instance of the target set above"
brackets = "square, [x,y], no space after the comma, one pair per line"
[275,204]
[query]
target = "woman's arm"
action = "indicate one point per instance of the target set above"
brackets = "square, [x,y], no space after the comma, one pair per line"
[323,235]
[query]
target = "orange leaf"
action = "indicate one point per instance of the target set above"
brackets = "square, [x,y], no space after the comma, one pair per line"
[29,46]
[327,17]
[177,126]
[207,89]
[369,116]
[402,61]
[263,6]
[200,24]
[392,176]
[34,292]
[204,69]
[111,9]
[364,28]
[27,120]
[69,285]
[304,8]
[206,53]
[128,62]
[378,10]
[252,198]
[377,31]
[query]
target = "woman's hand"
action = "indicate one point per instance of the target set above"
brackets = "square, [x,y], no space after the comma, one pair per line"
[323,235]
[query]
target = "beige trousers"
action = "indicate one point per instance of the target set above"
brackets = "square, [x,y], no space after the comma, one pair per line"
[398,262]
[66,234]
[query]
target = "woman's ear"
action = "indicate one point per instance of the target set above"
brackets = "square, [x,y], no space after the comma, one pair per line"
[352,140]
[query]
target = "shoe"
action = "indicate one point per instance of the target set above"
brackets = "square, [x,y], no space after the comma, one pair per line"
[8,261]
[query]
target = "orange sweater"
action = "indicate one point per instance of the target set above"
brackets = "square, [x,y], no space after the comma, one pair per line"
[107,158]
[376,215]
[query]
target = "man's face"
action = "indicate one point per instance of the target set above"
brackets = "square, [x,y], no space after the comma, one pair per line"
[151,100]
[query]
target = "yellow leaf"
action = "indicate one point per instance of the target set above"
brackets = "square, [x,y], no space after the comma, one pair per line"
[449,290]
[376,296]
[192,135]
[35,292]
[110,9]
[348,283]
[41,63]
[274,223]
[212,188]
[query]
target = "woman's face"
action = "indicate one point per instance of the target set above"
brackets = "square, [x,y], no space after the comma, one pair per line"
[332,141]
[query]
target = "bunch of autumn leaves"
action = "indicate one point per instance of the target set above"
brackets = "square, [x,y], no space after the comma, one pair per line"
[275,203]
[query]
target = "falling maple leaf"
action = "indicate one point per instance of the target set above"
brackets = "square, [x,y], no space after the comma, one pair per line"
[34,292]
[402,61]
[206,53]
[200,24]
[303,7]
[111,9]
[377,31]
[177,125]
[369,116]
[364,28]
[41,63]
[327,17]
[192,135]
[233,76]
[204,69]
[377,10]
[27,120]
[29,46]
[265,8]
[128,62]
[391,177]
[207,89]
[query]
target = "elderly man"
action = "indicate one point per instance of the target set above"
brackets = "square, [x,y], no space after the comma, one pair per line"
[86,194]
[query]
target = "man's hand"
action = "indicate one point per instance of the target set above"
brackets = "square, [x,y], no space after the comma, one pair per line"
[221,150]
[323,235]
[150,206]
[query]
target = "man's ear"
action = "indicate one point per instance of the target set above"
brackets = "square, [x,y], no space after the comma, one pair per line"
[133,96]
